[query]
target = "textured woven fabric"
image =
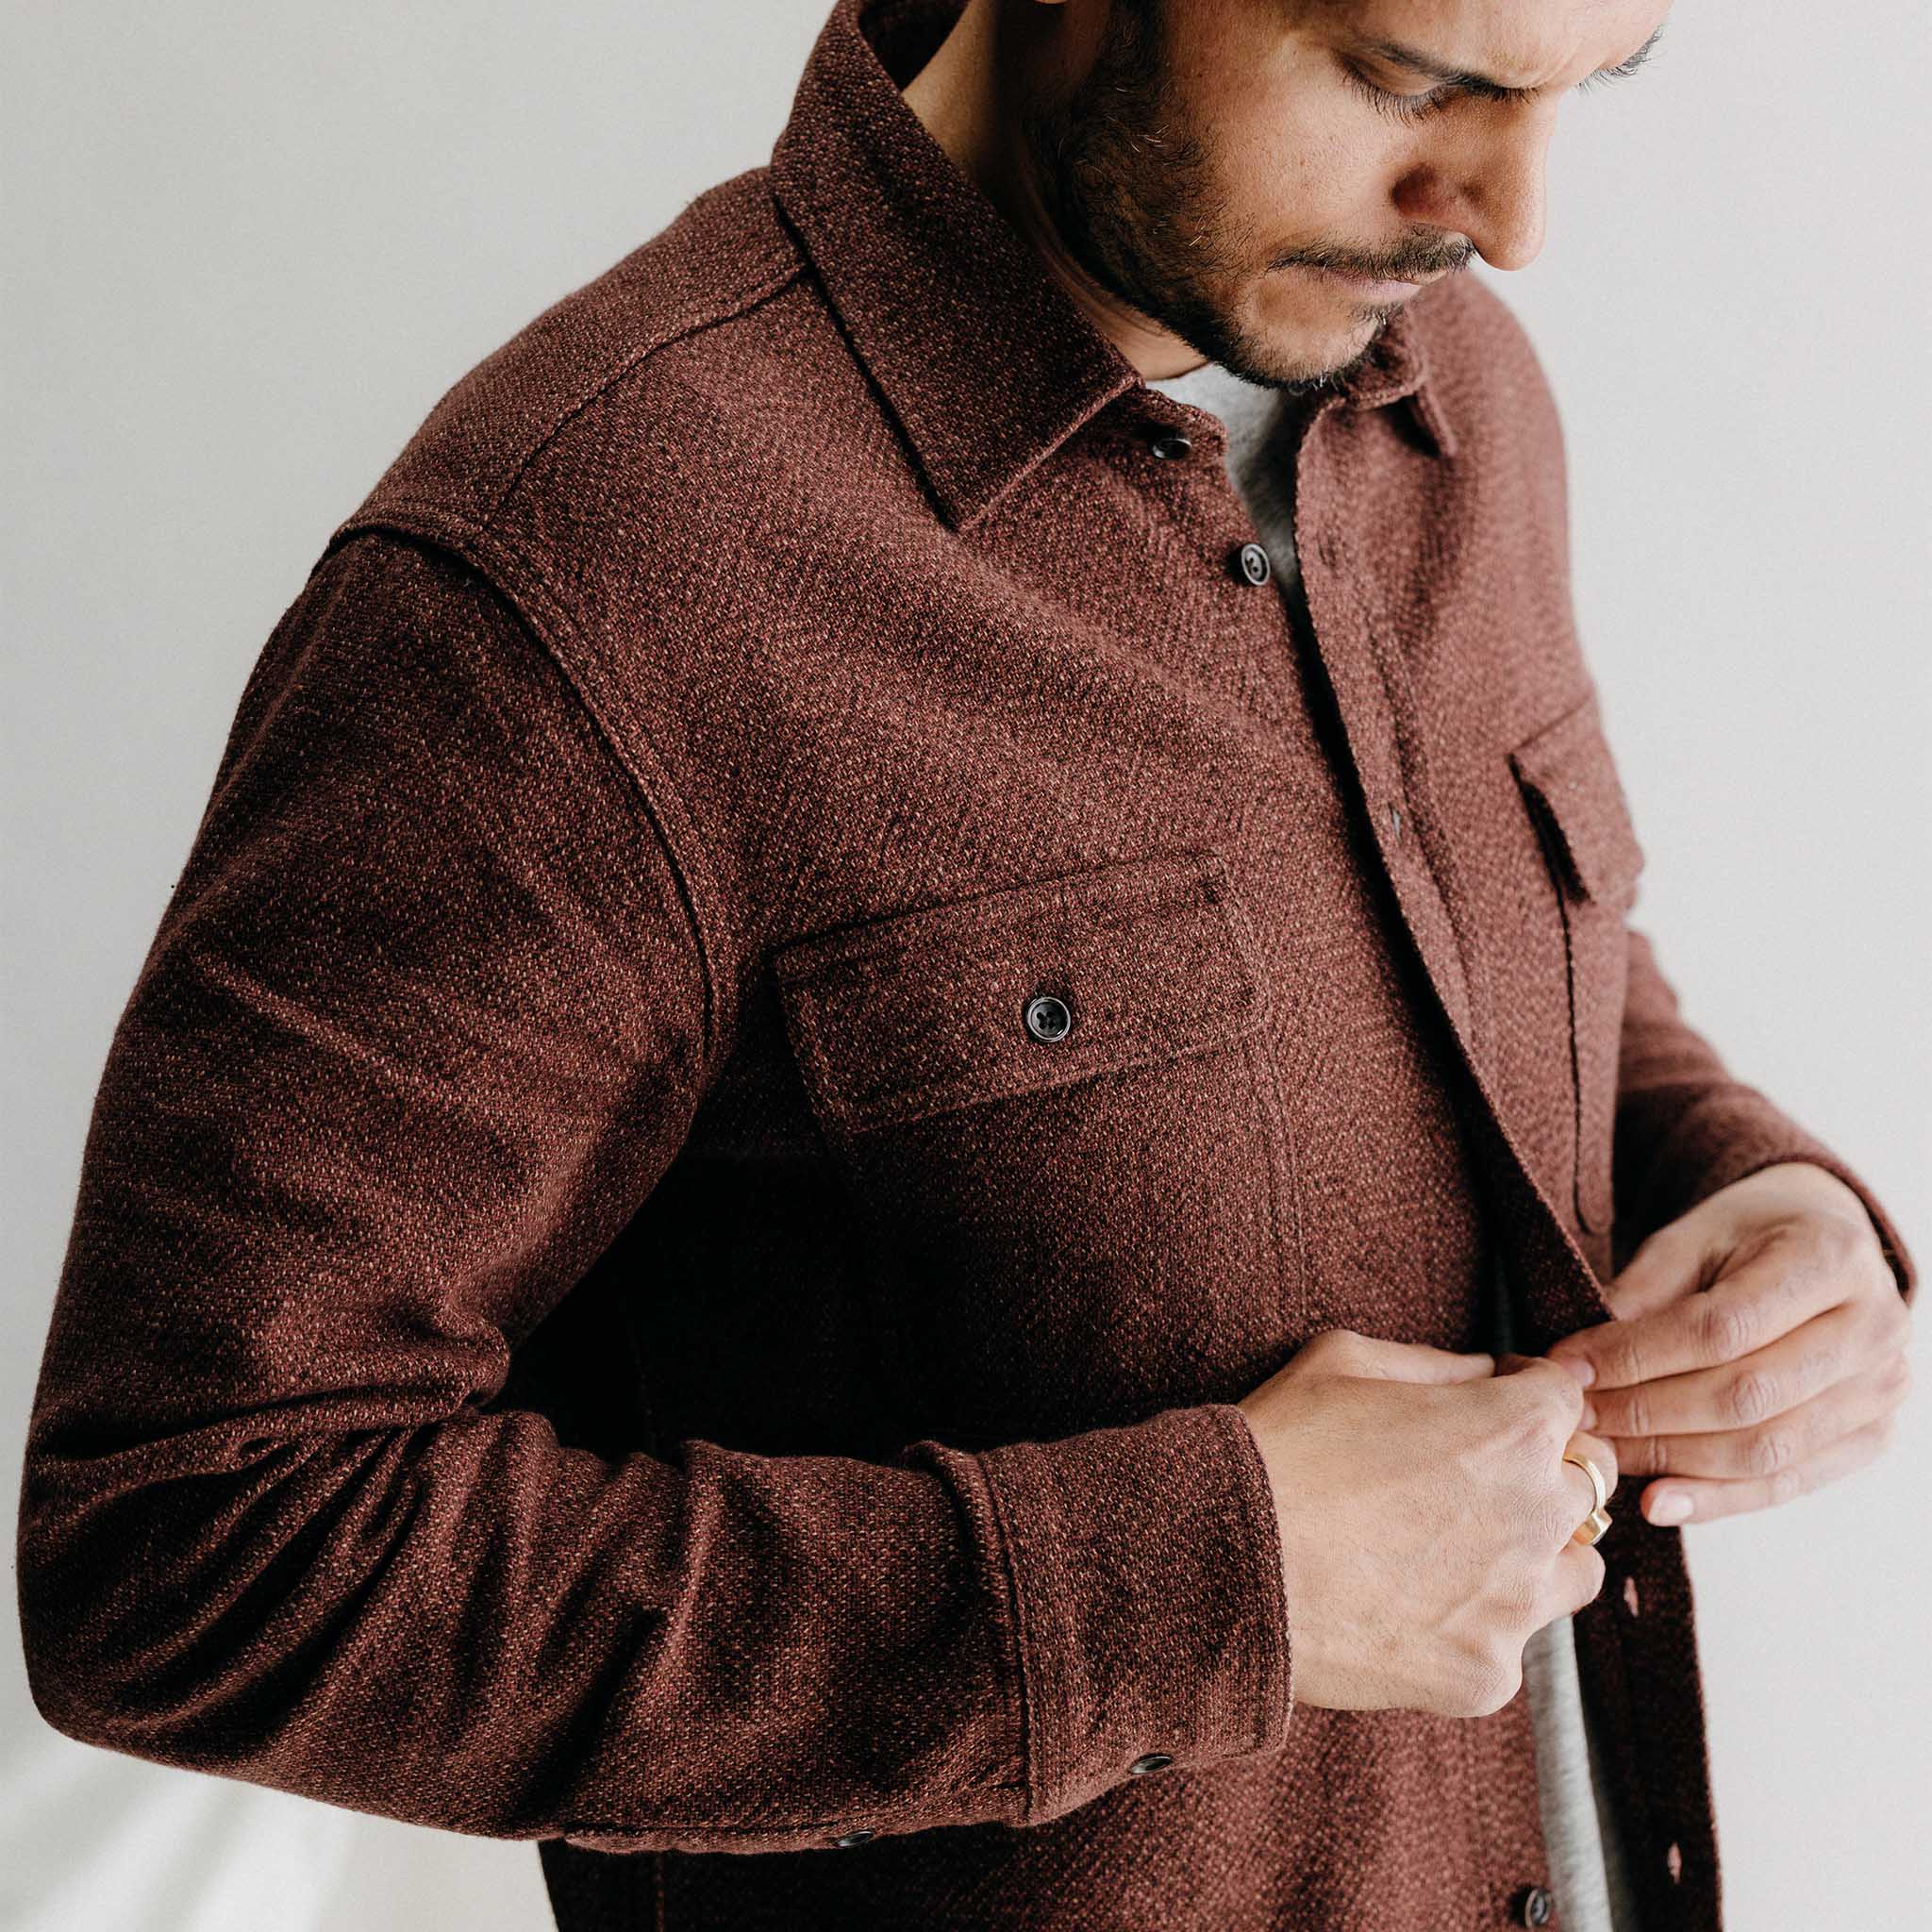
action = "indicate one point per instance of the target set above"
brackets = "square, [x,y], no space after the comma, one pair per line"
[1589,1883]
[790,986]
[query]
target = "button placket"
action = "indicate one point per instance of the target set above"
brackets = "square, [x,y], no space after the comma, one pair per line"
[1253,563]
[1537,1906]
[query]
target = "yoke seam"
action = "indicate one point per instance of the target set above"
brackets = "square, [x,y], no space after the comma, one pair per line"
[742,303]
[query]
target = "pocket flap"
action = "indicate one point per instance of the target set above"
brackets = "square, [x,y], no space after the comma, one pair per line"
[1567,765]
[923,1011]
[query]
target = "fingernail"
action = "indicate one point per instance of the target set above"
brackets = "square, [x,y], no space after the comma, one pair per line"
[1588,1419]
[1673,1505]
[1580,1366]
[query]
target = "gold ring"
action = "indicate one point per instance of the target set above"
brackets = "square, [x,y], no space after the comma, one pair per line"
[1594,1525]
[1592,1528]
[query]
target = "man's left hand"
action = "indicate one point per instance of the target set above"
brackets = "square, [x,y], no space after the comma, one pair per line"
[1758,1349]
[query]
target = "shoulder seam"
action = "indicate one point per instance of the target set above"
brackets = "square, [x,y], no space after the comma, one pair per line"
[741,303]
[502,565]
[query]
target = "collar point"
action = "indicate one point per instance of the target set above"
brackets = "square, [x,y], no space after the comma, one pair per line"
[1428,412]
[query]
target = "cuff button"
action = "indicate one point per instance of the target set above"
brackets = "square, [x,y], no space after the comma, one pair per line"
[1153,1762]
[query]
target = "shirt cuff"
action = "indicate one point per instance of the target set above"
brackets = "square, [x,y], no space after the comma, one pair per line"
[1152,1612]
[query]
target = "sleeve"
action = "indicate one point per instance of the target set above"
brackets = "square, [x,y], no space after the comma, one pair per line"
[1686,1126]
[422,1026]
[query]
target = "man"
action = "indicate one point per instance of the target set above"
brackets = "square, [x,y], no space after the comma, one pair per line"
[797,1193]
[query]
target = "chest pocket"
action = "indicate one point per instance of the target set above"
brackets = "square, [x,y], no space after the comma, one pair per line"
[1056,1109]
[1569,784]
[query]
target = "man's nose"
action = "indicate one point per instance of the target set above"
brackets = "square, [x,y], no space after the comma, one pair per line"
[1507,207]
[1493,187]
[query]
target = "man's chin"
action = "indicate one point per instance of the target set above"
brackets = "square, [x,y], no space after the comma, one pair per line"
[1300,354]
[1296,368]
[1297,356]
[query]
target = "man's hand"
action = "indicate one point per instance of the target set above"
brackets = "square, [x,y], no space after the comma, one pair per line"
[1428,1518]
[1758,1348]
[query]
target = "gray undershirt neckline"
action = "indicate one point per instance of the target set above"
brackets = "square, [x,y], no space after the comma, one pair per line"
[1264,430]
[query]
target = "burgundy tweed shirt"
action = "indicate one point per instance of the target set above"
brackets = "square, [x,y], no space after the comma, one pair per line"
[792,980]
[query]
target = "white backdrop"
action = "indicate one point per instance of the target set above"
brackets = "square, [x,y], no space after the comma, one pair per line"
[249,242]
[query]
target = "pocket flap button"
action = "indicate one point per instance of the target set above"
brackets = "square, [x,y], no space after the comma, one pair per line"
[1047,1018]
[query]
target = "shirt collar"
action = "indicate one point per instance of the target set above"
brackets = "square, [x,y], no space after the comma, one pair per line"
[985,361]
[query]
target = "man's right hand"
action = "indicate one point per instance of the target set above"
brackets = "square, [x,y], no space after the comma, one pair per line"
[1426,1515]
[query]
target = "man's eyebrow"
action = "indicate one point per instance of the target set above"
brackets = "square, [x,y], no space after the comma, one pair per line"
[1480,84]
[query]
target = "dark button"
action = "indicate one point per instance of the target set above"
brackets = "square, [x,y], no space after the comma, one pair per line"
[1048,1018]
[1252,561]
[1536,1907]
[1171,442]
[1153,1762]
[858,1838]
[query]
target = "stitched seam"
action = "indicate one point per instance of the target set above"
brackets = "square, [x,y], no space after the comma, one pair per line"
[742,303]
[472,544]
[1412,763]
[714,981]
[887,959]
[1032,1772]
[1263,1540]
[975,1474]
[1264,1074]
[888,1107]
[1477,1814]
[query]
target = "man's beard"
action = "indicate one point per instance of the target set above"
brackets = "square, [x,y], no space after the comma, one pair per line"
[1128,193]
